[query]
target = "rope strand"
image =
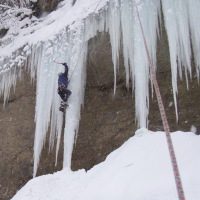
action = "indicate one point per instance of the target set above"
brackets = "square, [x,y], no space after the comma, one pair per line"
[164,120]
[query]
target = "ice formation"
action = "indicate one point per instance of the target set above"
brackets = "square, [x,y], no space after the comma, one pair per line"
[70,45]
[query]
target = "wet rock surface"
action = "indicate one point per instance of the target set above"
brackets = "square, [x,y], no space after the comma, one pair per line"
[17,129]
[17,136]
[42,7]
[187,99]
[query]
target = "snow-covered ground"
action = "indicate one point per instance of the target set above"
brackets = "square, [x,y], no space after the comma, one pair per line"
[140,169]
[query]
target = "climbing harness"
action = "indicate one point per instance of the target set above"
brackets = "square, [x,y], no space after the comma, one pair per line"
[164,119]
[82,45]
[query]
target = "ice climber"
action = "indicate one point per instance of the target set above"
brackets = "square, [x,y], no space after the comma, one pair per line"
[62,88]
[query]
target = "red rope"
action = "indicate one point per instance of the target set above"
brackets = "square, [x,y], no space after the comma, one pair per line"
[164,120]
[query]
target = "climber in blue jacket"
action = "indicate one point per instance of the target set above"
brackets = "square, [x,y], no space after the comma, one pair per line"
[62,88]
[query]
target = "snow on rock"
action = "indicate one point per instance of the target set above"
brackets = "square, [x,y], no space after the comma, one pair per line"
[139,169]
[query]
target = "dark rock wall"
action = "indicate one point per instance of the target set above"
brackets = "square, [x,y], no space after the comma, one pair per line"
[107,120]
[17,129]
[48,5]
[187,100]
[42,7]
[17,134]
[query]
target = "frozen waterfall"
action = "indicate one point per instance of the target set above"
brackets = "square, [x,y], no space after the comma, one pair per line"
[70,45]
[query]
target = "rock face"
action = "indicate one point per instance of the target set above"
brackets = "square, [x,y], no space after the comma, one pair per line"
[42,7]
[107,120]
[17,129]
[16,144]
[47,5]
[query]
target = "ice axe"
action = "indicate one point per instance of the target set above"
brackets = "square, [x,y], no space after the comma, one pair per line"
[62,64]
[57,62]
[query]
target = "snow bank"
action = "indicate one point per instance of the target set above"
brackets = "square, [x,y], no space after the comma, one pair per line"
[139,169]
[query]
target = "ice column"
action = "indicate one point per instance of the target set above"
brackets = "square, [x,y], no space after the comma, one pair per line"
[113,25]
[77,57]
[48,101]
[78,41]
[7,80]
[127,27]
[46,88]
[194,16]
[176,23]
[134,50]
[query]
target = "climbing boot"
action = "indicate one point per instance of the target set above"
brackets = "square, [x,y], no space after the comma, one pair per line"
[62,109]
[63,106]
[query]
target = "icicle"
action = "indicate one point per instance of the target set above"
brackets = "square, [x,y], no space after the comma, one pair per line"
[194,15]
[11,71]
[134,50]
[34,59]
[77,83]
[127,20]
[7,80]
[113,25]
[48,101]
[176,23]
[78,54]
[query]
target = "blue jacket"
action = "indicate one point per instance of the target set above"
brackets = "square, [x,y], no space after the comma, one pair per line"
[63,78]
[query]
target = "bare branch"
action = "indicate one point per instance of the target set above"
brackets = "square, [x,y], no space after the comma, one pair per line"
[13,4]
[6,7]
[23,4]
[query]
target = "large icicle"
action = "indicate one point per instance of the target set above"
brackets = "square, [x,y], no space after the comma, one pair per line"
[176,23]
[127,19]
[13,66]
[134,50]
[113,25]
[77,57]
[48,101]
[46,87]
[194,16]
[78,41]
[149,18]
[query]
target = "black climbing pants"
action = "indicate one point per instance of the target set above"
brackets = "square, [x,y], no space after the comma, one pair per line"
[64,92]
